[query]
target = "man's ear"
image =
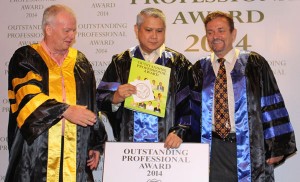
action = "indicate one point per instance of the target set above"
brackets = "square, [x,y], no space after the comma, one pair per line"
[136,30]
[48,29]
[234,32]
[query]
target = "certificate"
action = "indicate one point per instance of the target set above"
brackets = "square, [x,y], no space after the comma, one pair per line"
[152,83]
[151,162]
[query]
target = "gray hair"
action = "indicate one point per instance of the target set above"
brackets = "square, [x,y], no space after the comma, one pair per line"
[154,12]
[51,12]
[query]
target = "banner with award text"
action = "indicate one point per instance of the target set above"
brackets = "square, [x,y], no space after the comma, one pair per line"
[106,27]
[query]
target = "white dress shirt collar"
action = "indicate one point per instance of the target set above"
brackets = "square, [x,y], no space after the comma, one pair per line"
[153,56]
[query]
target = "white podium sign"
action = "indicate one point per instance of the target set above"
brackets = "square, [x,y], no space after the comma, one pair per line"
[151,162]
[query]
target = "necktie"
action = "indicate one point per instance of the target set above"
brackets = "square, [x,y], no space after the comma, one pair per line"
[222,122]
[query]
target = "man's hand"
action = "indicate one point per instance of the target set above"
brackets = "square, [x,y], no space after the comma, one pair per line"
[274,160]
[172,141]
[93,161]
[122,92]
[80,115]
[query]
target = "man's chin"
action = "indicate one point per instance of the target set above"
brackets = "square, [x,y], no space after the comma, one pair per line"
[67,46]
[218,49]
[155,46]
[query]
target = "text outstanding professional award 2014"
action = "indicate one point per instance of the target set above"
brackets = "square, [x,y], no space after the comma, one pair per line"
[151,162]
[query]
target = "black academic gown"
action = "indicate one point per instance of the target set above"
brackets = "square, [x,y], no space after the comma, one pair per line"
[178,116]
[35,118]
[263,128]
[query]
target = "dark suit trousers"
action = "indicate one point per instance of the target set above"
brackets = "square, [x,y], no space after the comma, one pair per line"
[223,163]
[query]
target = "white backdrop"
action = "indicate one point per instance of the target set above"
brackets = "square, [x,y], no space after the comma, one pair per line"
[105,27]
